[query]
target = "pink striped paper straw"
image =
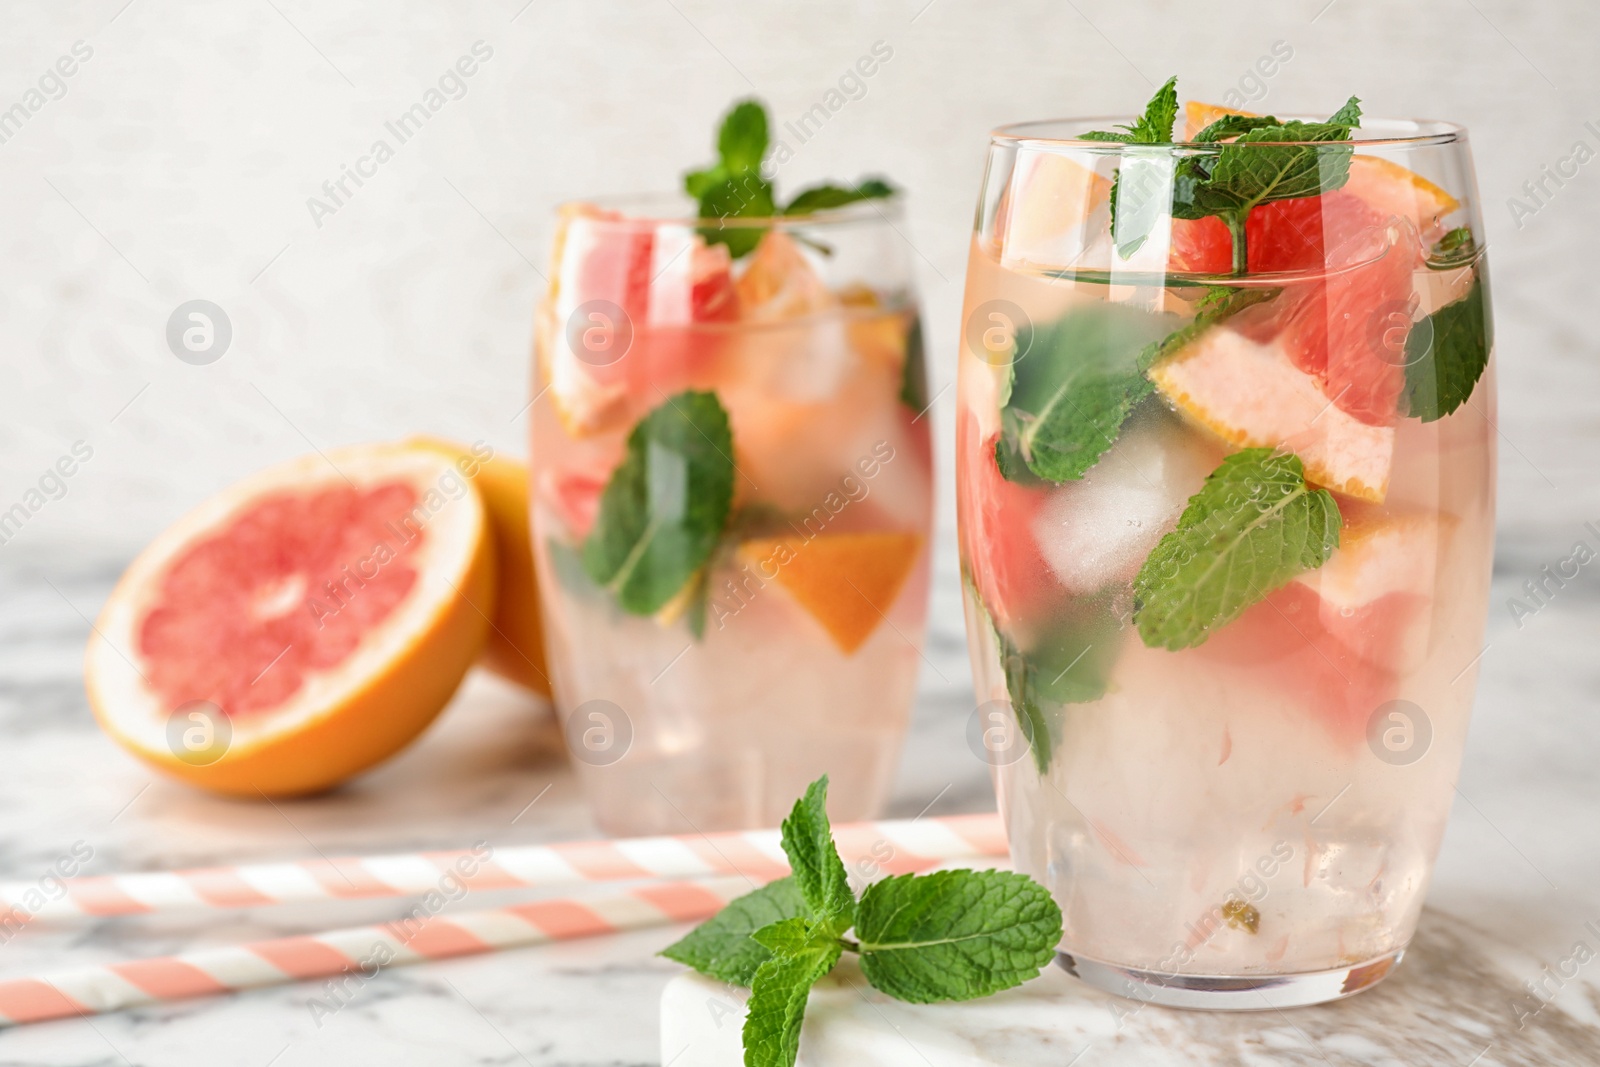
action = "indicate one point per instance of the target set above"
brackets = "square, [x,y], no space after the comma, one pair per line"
[358,951]
[890,846]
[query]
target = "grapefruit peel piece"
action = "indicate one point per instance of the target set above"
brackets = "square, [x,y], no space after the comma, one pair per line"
[847,582]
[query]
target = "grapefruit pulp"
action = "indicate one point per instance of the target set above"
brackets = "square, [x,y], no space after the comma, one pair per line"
[300,626]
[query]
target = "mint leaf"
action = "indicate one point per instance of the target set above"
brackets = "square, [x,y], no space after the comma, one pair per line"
[732,187]
[823,197]
[1252,526]
[1153,127]
[1455,249]
[1070,664]
[955,935]
[722,946]
[808,842]
[777,1003]
[664,508]
[1139,192]
[1232,126]
[1348,116]
[742,139]
[1262,166]
[914,371]
[1446,354]
[1072,386]
[742,196]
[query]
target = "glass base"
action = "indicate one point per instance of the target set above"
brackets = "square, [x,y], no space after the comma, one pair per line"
[1206,992]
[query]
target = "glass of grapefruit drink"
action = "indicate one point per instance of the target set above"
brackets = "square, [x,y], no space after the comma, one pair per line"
[731,504]
[1225,489]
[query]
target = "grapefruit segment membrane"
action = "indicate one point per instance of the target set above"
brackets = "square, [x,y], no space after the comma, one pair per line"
[316,616]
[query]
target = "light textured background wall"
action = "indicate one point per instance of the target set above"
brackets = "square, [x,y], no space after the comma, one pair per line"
[180,159]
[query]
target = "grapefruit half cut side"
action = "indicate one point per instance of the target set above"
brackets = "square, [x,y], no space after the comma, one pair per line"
[300,626]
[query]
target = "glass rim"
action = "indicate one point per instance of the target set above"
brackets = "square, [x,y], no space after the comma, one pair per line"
[659,210]
[1378,131]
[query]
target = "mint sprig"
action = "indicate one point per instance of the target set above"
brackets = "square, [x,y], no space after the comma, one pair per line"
[1446,355]
[1252,526]
[1256,160]
[665,505]
[733,187]
[953,935]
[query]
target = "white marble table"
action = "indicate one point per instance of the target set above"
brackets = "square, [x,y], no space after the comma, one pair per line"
[1516,884]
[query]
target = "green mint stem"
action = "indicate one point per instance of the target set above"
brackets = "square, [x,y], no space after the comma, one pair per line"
[1236,231]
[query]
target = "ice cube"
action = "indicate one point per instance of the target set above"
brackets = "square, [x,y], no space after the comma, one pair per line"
[1097,531]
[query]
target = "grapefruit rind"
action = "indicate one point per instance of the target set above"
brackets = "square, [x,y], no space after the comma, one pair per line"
[341,721]
[1250,395]
[515,646]
[846,582]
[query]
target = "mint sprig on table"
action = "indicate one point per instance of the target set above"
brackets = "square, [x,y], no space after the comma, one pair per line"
[664,508]
[951,935]
[1256,160]
[733,187]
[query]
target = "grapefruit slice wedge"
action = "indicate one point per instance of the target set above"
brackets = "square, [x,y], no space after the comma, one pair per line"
[847,582]
[300,626]
[1252,395]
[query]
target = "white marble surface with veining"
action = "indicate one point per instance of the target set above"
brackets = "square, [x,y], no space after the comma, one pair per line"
[1515,889]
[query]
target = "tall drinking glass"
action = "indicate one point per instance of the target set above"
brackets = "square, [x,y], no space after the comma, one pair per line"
[1226,494]
[731,505]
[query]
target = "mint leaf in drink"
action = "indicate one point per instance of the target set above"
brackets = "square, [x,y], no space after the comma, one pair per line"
[742,139]
[1283,162]
[732,187]
[1072,387]
[826,196]
[914,370]
[1455,249]
[1140,190]
[778,997]
[1153,127]
[722,947]
[955,935]
[1069,663]
[664,508]
[1446,354]
[808,842]
[1252,526]
[1232,126]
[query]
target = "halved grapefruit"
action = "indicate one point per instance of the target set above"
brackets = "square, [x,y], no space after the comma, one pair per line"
[515,646]
[300,626]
